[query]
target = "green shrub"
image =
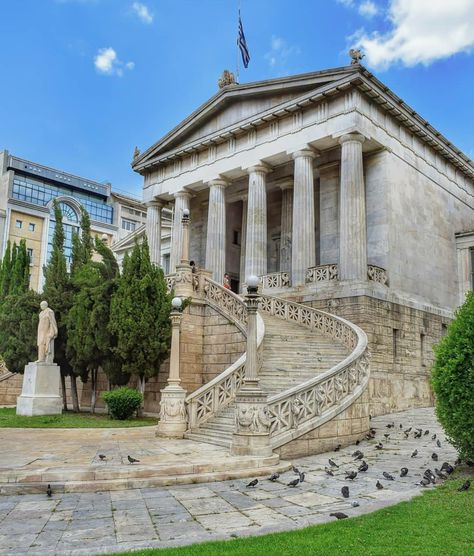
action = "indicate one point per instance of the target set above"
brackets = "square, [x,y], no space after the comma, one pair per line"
[123,402]
[453,380]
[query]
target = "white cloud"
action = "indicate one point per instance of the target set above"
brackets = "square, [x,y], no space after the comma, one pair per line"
[107,62]
[368,9]
[346,3]
[280,52]
[143,12]
[422,31]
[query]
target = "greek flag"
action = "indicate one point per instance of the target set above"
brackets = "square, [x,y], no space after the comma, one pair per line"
[241,42]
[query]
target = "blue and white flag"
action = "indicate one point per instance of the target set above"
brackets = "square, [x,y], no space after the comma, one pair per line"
[243,45]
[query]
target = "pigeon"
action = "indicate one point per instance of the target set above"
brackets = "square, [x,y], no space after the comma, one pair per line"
[328,471]
[447,467]
[274,477]
[253,483]
[414,454]
[102,457]
[379,485]
[388,476]
[406,435]
[345,491]
[339,515]
[356,453]
[363,466]
[379,446]
[433,437]
[296,470]
[390,425]
[133,460]
[407,431]
[338,447]
[424,482]
[49,491]
[438,443]
[428,474]
[434,456]
[332,463]
[302,475]
[403,472]
[370,417]
[401,425]
[387,435]
[417,434]
[359,456]
[440,474]
[464,486]
[427,432]
[357,442]
[351,475]
[355,504]
[293,483]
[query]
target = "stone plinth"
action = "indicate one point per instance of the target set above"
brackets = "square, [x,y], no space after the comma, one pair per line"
[173,422]
[40,393]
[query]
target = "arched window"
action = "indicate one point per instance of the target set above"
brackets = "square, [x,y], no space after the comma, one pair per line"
[68,212]
[70,226]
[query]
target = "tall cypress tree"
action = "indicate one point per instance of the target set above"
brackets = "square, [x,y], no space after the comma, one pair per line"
[140,316]
[58,293]
[6,272]
[20,274]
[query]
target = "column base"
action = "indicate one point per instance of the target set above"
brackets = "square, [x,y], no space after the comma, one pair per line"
[252,435]
[40,391]
[173,420]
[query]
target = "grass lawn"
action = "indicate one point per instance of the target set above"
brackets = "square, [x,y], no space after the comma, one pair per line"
[438,523]
[69,420]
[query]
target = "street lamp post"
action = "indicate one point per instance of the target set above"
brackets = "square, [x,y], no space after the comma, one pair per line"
[184,276]
[173,421]
[253,420]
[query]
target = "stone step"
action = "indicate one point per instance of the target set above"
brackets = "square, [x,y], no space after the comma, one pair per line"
[210,439]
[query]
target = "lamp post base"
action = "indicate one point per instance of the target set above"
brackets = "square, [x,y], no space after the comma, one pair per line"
[173,420]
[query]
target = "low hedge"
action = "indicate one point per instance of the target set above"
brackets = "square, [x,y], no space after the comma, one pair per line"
[123,402]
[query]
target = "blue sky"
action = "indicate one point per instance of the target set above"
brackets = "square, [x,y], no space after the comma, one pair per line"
[84,81]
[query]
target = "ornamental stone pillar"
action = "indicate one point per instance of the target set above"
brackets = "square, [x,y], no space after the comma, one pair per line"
[286,187]
[153,229]
[256,240]
[181,202]
[352,219]
[303,251]
[243,242]
[216,230]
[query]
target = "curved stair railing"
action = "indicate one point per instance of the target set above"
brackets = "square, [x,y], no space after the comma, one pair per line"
[218,393]
[309,405]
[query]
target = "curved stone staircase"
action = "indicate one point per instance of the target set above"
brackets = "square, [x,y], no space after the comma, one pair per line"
[313,366]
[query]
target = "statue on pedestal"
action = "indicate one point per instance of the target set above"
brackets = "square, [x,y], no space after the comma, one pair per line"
[47,332]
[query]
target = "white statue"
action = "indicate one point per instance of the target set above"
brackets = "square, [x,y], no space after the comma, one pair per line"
[47,332]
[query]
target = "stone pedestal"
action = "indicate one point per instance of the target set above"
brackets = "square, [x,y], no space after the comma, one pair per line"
[40,392]
[173,422]
[252,423]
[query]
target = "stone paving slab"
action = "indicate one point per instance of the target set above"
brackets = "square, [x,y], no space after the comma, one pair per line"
[92,523]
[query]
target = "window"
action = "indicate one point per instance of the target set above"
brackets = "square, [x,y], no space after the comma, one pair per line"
[422,349]
[19,223]
[30,254]
[129,225]
[31,227]
[235,237]
[166,263]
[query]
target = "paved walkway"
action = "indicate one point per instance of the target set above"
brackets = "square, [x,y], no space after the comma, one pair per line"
[93,523]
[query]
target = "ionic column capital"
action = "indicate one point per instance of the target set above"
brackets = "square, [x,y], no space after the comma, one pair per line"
[260,168]
[354,137]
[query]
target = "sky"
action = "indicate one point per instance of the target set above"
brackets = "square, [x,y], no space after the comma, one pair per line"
[85,81]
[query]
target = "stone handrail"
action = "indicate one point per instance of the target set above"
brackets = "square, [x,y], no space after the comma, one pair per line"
[170,281]
[309,405]
[321,273]
[377,274]
[206,401]
[275,280]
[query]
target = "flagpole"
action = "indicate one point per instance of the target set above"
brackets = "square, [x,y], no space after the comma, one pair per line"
[237,43]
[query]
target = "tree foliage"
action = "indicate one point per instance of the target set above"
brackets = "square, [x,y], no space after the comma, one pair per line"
[453,379]
[140,315]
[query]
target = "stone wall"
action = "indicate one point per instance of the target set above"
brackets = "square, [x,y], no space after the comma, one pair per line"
[401,341]
[10,388]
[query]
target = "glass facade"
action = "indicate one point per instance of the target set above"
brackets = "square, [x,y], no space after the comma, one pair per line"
[40,192]
[69,218]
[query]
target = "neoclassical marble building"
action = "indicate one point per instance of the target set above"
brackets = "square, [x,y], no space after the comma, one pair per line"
[339,196]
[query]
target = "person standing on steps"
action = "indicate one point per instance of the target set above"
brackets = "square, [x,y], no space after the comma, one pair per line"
[227,281]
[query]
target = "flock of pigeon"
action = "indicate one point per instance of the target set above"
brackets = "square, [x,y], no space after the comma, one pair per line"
[427,478]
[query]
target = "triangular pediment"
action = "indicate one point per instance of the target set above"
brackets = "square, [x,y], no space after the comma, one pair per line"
[239,103]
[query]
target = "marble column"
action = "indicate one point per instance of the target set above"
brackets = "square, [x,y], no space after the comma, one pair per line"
[256,240]
[286,187]
[153,229]
[181,202]
[243,241]
[216,230]
[303,251]
[352,219]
